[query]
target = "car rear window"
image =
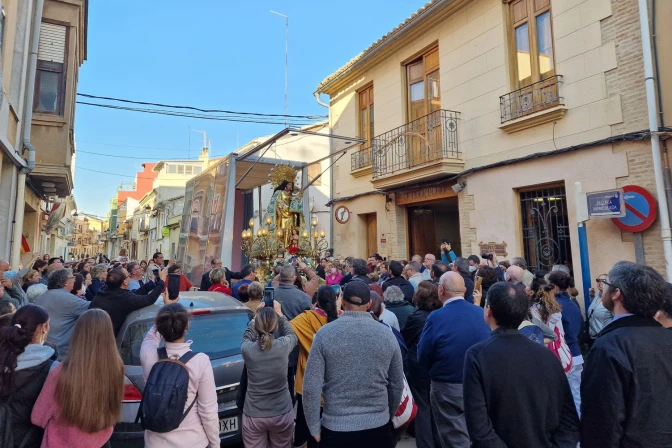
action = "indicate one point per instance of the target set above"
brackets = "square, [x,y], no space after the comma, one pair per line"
[216,335]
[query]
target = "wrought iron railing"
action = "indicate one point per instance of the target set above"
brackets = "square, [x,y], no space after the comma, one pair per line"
[528,100]
[428,139]
[360,159]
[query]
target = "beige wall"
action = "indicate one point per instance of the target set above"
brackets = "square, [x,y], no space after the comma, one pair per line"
[350,238]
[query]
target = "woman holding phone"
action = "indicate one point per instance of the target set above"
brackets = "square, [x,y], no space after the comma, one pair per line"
[305,326]
[268,414]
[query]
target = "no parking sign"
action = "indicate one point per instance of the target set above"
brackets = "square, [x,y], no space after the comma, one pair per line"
[640,210]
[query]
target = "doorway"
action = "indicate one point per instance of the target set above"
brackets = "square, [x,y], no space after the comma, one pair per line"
[430,224]
[371,223]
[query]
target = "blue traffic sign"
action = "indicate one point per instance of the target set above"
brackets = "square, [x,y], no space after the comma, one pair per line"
[641,209]
[606,204]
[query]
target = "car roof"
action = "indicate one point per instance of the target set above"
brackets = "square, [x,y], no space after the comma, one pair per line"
[191,300]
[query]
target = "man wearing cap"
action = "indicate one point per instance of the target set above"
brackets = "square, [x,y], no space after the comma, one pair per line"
[361,384]
[449,332]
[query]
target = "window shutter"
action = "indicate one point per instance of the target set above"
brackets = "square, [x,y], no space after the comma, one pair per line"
[52,43]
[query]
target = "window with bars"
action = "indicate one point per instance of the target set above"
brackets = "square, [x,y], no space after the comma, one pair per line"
[546,232]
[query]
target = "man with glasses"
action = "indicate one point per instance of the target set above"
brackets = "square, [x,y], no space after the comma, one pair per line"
[625,391]
[598,316]
[63,307]
[118,301]
[136,276]
[427,263]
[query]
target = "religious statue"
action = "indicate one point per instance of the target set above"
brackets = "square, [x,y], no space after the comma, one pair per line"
[285,209]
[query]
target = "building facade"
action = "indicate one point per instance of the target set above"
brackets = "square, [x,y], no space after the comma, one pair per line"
[486,114]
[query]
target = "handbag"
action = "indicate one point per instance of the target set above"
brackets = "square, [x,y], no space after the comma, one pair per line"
[561,350]
[407,410]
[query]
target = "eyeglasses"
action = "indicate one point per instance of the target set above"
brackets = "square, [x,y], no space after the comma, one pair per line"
[71,278]
[601,280]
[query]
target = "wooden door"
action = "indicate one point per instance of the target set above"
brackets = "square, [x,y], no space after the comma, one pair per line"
[371,234]
[421,229]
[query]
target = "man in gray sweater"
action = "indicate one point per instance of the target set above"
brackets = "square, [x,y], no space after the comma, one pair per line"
[362,381]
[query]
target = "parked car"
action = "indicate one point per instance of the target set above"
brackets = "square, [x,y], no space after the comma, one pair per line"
[216,328]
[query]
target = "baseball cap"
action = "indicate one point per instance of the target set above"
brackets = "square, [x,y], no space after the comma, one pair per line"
[357,290]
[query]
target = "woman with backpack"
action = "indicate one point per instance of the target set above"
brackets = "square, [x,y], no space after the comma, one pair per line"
[24,365]
[81,399]
[305,326]
[200,427]
[268,414]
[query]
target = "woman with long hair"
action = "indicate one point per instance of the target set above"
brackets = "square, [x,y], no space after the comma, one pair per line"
[24,365]
[81,282]
[31,278]
[305,326]
[426,300]
[268,414]
[200,427]
[143,265]
[547,314]
[81,400]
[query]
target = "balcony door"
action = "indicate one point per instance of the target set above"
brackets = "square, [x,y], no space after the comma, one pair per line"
[424,98]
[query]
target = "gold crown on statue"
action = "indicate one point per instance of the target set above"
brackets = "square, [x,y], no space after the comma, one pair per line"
[282,173]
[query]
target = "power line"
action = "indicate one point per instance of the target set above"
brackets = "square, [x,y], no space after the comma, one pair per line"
[113,174]
[189,115]
[130,146]
[141,158]
[310,117]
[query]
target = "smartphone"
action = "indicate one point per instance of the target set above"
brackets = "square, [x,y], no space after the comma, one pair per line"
[337,289]
[479,281]
[268,296]
[173,286]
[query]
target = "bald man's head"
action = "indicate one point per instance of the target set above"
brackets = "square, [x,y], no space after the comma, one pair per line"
[451,285]
[515,274]
[4,266]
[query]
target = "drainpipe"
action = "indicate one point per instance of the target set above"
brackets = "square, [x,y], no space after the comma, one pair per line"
[331,174]
[27,126]
[659,94]
[655,139]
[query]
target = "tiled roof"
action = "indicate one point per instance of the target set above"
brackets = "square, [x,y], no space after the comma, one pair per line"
[409,21]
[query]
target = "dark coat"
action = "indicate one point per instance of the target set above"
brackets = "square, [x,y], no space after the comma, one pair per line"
[625,391]
[403,284]
[92,290]
[402,310]
[469,284]
[411,333]
[205,280]
[27,386]
[517,395]
[119,303]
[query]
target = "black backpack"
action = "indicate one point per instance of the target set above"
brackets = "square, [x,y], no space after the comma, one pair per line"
[165,394]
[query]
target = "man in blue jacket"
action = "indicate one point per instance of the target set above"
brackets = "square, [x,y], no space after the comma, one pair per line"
[448,334]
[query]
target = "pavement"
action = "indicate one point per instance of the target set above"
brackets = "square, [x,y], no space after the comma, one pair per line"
[406,442]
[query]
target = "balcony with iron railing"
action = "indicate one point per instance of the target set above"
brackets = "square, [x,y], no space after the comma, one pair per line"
[532,105]
[422,149]
[361,162]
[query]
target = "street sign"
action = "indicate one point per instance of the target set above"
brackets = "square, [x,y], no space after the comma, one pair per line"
[641,209]
[606,204]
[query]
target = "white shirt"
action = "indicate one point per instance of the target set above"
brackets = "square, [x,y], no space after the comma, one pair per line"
[452,300]
[390,318]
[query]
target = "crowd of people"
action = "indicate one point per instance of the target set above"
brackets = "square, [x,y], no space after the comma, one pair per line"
[457,352]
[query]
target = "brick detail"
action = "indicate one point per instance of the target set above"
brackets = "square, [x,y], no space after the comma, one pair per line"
[466,204]
[627,79]
[640,172]
[396,239]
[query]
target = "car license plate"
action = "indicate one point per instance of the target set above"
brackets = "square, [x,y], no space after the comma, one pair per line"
[227,425]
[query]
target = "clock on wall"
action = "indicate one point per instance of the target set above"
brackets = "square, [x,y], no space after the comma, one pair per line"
[342,214]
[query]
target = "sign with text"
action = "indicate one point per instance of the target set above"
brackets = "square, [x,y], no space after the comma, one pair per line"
[606,204]
[498,249]
[165,232]
[419,195]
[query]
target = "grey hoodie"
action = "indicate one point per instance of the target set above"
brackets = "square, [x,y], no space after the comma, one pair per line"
[34,355]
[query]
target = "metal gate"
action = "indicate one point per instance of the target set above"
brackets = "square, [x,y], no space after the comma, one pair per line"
[546,240]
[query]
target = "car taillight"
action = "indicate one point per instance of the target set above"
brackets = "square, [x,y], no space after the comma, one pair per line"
[199,312]
[131,393]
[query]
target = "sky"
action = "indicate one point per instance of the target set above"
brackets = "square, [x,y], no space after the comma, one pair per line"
[212,54]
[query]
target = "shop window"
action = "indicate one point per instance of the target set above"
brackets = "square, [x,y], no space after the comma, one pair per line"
[546,232]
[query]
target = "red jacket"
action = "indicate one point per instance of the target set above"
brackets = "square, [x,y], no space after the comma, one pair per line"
[218,287]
